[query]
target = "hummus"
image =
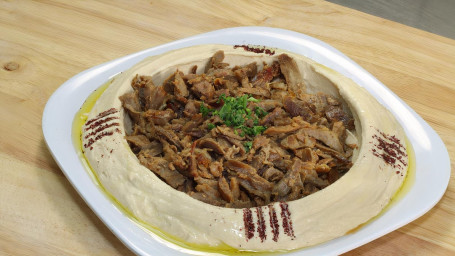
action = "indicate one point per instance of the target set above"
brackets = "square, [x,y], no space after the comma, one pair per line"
[380,165]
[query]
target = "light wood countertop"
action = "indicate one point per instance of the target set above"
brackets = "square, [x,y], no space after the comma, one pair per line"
[44,43]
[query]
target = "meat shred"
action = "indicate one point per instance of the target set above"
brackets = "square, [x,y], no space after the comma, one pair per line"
[300,150]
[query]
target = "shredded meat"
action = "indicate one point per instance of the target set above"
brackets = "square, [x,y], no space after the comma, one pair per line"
[292,75]
[300,150]
[161,167]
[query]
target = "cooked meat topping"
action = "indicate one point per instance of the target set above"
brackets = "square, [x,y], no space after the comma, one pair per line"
[239,137]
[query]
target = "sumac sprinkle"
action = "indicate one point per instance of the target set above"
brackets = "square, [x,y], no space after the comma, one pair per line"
[274,223]
[255,49]
[389,149]
[101,128]
[286,218]
[101,115]
[98,125]
[99,136]
[261,224]
[99,122]
[248,223]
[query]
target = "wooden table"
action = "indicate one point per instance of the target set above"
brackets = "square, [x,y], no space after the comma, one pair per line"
[44,43]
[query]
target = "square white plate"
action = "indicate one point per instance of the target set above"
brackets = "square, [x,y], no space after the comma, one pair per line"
[432,160]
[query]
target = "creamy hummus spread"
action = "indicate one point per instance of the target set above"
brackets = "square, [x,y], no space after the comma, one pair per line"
[380,165]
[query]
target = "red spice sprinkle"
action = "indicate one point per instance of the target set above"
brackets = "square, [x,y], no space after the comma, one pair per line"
[274,223]
[255,49]
[286,218]
[101,128]
[249,224]
[261,224]
[98,137]
[390,149]
[100,122]
[101,115]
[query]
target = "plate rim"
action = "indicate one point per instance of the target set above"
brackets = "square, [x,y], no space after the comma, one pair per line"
[99,74]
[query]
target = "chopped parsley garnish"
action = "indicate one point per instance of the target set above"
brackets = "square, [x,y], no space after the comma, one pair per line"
[234,113]
[260,112]
[248,145]
[255,130]
[204,110]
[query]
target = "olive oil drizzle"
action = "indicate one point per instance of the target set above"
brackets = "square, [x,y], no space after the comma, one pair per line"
[78,122]
[407,185]
[80,119]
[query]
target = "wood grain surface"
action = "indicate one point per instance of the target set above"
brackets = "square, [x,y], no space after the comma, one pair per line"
[44,43]
[433,16]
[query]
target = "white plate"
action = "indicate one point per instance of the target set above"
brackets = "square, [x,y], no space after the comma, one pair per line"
[432,159]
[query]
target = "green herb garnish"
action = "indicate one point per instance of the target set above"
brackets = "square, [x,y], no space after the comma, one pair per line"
[255,130]
[260,112]
[204,110]
[234,113]
[248,145]
[210,126]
